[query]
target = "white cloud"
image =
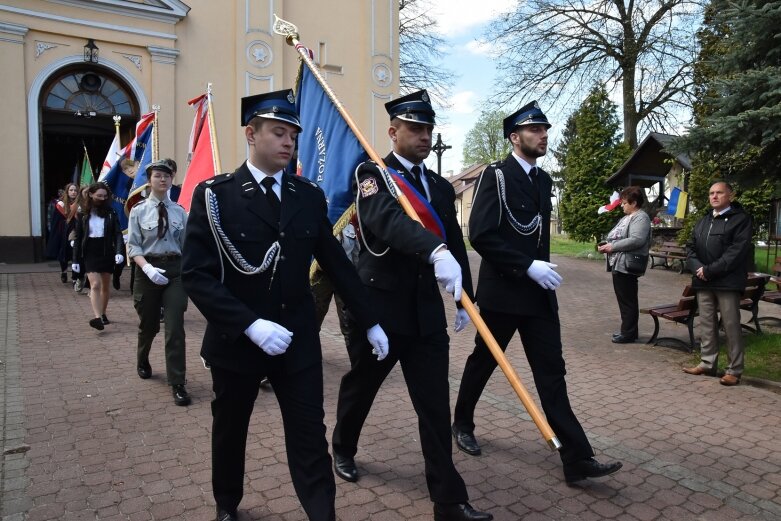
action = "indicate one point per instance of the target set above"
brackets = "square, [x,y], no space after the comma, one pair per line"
[479,48]
[457,16]
[462,102]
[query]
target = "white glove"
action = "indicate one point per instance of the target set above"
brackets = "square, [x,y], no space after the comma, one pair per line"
[75,268]
[119,258]
[155,274]
[379,341]
[462,319]
[448,272]
[72,243]
[272,338]
[543,274]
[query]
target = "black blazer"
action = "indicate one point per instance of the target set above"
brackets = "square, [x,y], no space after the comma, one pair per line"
[506,255]
[401,282]
[231,301]
[111,231]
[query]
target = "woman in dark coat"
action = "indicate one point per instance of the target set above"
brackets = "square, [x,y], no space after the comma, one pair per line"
[97,248]
[58,247]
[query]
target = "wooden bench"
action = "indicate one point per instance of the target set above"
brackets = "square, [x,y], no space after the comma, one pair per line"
[773,296]
[749,300]
[668,254]
[683,312]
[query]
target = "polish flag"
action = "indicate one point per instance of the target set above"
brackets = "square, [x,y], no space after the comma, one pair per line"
[201,151]
[614,202]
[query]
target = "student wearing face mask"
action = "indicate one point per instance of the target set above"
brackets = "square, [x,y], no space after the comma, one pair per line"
[97,248]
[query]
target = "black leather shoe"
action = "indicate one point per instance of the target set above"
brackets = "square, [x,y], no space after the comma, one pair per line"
[223,515]
[466,442]
[459,512]
[180,395]
[589,468]
[144,370]
[96,323]
[265,383]
[104,319]
[621,339]
[344,467]
[64,277]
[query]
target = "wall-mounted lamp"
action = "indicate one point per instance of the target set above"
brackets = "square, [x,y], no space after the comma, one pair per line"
[91,52]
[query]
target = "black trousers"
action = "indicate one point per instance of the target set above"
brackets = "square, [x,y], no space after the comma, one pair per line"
[625,287]
[541,338]
[424,363]
[300,399]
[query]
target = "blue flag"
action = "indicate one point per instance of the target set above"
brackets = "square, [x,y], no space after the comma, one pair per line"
[120,183]
[143,156]
[328,151]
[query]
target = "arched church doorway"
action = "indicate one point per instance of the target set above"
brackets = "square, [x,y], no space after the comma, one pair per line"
[77,105]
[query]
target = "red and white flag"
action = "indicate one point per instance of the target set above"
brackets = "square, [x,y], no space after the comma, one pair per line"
[201,151]
[113,155]
[614,202]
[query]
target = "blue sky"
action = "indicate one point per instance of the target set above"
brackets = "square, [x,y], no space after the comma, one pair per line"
[462,23]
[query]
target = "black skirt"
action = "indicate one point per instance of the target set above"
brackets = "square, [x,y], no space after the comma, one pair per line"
[98,256]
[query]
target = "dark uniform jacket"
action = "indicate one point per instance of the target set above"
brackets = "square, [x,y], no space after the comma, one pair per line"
[722,245]
[503,285]
[111,231]
[401,283]
[231,300]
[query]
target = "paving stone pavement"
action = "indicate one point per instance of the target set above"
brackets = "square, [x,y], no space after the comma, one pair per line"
[84,438]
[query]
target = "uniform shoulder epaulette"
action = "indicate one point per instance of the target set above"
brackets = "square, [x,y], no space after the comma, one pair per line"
[306,181]
[497,164]
[218,179]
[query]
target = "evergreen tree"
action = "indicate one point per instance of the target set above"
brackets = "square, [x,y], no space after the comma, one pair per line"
[485,142]
[739,80]
[592,153]
[732,138]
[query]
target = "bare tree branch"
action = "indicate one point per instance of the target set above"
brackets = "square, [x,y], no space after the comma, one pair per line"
[550,48]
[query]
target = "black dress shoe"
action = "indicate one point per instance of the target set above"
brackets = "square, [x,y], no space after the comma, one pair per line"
[621,339]
[104,319]
[466,442]
[96,323]
[224,515]
[459,512]
[344,467]
[589,468]
[181,397]
[144,370]
[64,277]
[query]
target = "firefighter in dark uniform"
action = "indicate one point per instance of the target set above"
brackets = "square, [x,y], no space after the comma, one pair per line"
[400,264]
[251,236]
[510,228]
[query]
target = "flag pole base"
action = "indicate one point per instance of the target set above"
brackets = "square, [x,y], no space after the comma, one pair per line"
[554,444]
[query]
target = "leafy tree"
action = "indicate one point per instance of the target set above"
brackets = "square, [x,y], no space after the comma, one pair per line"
[592,152]
[420,48]
[485,141]
[551,48]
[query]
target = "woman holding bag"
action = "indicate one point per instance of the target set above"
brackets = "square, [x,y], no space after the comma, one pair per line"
[627,256]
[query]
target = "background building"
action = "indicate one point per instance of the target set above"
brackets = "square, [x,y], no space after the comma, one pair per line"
[163,53]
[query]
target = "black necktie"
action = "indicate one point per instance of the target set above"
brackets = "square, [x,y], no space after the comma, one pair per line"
[534,176]
[162,220]
[416,180]
[271,197]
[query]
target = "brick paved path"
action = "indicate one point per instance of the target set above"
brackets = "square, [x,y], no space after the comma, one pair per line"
[85,438]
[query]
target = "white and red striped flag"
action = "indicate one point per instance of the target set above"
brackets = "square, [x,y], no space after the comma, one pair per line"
[202,154]
[614,202]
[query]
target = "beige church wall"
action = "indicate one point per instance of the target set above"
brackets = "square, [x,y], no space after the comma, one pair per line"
[229,43]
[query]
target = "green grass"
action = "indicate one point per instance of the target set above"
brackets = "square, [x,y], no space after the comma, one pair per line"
[561,245]
[762,356]
[763,261]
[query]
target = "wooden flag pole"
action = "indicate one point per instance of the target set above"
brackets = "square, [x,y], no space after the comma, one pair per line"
[290,32]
